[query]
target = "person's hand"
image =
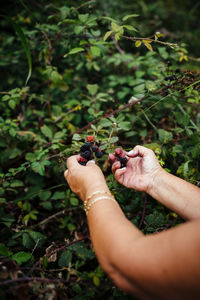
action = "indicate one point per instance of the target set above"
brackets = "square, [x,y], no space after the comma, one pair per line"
[84,180]
[141,169]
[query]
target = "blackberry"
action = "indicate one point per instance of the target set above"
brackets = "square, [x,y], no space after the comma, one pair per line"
[169,63]
[177,71]
[123,161]
[85,146]
[82,163]
[86,154]
[95,148]
[99,154]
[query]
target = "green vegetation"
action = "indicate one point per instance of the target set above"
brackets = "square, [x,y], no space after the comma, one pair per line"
[122,71]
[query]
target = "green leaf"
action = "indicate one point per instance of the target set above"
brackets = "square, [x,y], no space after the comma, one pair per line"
[4,250]
[30,156]
[17,183]
[126,125]
[129,27]
[27,241]
[105,123]
[115,27]
[114,139]
[164,136]
[74,51]
[74,201]
[65,259]
[58,196]
[76,137]
[107,34]
[83,17]
[129,16]
[96,280]
[95,51]
[44,195]
[47,131]
[12,104]
[21,257]
[92,88]
[24,42]
[37,167]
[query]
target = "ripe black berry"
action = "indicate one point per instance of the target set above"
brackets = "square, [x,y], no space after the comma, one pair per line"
[123,161]
[86,154]
[95,148]
[85,147]
[177,71]
[83,163]
[98,154]
[169,63]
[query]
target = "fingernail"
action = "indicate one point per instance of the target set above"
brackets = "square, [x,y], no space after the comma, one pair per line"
[92,161]
[130,152]
[123,168]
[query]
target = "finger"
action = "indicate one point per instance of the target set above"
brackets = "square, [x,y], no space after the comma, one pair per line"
[119,173]
[116,166]
[111,158]
[139,150]
[72,161]
[65,174]
[120,152]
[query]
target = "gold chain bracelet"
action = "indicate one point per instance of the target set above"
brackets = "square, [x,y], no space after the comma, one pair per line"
[98,199]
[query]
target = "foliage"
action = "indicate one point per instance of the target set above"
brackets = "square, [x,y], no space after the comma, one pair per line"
[93,68]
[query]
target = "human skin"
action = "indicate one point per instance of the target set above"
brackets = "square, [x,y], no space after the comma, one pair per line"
[158,266]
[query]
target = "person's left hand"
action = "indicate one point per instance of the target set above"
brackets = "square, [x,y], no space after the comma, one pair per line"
[84,180]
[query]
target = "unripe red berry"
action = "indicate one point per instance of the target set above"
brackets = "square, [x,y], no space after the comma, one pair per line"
[90,138]
[118,152]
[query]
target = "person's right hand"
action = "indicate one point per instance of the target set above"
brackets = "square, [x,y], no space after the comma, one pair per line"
[141,170]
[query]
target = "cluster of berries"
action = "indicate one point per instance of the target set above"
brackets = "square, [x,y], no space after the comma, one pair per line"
[87,150]
[120,157]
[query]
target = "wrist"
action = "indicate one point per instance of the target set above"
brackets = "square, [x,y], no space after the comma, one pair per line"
[96,187]
[157,179]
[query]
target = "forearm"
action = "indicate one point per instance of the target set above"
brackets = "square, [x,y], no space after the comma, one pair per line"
[110,233]
[177,194]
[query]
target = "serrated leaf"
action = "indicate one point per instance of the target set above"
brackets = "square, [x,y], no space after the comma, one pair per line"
[47,131]
[74,51]
[76,137]
[92,88]
[114,139]
[164,136]
[21,257]
[95,51]
[129,16]
[65,259]
[12,103]
[138,44]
